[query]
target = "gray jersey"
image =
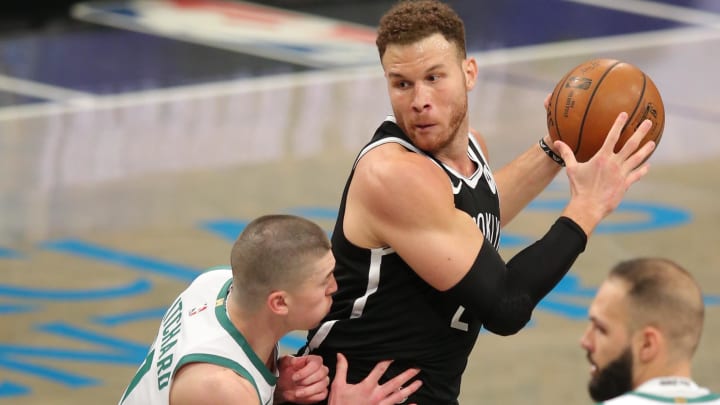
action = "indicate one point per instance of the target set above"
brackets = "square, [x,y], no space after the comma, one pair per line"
[667,390]
[195,329]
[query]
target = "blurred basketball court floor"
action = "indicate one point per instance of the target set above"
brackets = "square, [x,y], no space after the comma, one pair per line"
[138,138]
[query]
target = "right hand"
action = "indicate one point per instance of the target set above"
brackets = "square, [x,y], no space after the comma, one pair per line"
[368,391]
[598,186]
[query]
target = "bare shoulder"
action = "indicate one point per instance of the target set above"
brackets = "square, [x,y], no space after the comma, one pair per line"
[390,171]
[203,383]
[395,192]
[404,200]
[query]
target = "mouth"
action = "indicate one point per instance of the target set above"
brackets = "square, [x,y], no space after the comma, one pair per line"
[423,126]
[593,366]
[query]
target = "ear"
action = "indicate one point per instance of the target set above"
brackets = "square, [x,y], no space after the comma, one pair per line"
[277,302]
[470,69]
[650,344]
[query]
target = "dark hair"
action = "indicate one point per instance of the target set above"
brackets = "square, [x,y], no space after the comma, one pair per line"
[410,21]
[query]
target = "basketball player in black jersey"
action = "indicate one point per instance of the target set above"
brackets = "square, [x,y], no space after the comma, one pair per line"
[416,237]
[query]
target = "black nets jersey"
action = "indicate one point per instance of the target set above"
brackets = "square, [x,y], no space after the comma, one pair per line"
[383,310]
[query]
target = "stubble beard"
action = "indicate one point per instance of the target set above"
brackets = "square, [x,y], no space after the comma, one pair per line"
[456,120]
[457,117]
[614,379]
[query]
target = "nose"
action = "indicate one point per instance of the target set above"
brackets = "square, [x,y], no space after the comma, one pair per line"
[421,97]
[585,340]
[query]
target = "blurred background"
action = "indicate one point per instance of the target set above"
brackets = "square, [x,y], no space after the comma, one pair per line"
[137,138]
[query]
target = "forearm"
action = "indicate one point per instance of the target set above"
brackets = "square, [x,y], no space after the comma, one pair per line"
[538,268]
[523,179]
[503,295]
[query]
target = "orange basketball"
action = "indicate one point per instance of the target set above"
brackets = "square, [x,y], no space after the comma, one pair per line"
[588,99]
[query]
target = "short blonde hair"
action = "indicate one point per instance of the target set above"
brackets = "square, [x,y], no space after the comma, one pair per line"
[274,252]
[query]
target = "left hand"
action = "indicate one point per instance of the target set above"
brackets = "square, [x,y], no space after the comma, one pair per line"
[303,380]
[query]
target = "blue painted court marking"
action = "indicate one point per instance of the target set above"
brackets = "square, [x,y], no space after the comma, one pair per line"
[136,287]
[7,253]
[712,300]
[227,229]
[103,254]
[557,302]
[128,317]
[24,359]
[316,212]
[565,309]
[10,389]
[508,240]
[121,351]
[16,308]
[292,342]
[570,286]
[657,216]
[62,377]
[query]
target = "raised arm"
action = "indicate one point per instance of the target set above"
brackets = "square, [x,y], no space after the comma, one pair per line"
[401,199]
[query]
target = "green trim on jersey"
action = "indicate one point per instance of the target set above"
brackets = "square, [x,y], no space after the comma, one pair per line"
[673,400]
[220,361]
[144,368]
[677,400]
[221,314]
[220,267]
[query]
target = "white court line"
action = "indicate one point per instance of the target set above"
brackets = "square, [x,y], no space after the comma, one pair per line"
[594,46]
[39,90]
[490,58]
[652,9]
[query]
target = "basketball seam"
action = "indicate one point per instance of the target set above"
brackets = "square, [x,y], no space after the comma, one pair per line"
[589,104]
[639,101]
[555,102]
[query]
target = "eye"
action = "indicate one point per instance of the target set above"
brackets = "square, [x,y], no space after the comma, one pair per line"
[433,78]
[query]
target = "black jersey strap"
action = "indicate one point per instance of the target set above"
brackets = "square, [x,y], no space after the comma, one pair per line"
[503,296]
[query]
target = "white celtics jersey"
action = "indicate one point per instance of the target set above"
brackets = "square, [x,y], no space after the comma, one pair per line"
[667,390]
[196,328]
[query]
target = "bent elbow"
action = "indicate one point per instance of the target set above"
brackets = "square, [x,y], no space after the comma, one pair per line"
[505,327]
[510,316]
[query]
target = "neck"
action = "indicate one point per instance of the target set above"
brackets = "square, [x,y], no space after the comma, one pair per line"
[666,370]
[455,153]
[257,328]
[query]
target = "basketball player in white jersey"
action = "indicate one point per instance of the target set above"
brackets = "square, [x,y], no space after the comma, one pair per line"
[645,324]
[217,344]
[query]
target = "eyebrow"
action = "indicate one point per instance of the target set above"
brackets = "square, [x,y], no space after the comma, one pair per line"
[330,273]
[430,69]
[597,322]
